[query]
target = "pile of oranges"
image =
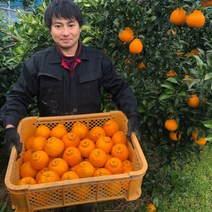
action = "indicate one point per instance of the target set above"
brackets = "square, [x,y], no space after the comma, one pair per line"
[58,154]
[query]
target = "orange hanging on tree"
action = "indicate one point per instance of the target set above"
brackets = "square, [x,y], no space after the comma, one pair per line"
[195,19]
[136,46]
[126,35]
[178,16]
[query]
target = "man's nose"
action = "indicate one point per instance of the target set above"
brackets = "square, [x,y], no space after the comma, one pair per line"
[66,30]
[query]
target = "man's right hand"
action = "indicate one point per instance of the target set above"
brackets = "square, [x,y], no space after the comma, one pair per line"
[12,138]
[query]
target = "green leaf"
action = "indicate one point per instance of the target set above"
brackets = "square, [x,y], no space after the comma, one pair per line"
[172,79]
[208,76]
[87,39]
[208,124]
[168,86]
[165,96]
[209,137]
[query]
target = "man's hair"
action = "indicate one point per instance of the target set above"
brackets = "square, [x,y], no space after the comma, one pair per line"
[63,9]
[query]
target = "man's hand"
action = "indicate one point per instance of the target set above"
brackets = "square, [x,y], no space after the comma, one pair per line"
[133,126]
[12,138]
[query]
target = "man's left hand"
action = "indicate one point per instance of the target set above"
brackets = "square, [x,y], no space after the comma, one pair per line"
[133,126]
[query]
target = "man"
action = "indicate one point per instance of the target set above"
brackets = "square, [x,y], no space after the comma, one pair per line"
[67,78]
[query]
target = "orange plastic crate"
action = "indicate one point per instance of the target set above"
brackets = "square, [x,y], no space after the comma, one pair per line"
[79,191]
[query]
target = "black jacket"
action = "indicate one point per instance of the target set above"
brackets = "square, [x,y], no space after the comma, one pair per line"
[60,93]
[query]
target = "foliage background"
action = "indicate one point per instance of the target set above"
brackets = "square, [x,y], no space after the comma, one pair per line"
[159,97]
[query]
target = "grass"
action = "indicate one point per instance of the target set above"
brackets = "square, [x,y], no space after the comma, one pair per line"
[188,187]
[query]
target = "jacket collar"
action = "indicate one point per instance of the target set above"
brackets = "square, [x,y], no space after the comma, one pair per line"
[84,55]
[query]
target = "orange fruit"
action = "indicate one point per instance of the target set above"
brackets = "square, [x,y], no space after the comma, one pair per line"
[80,129]
[119,137]
[48,176]
[59,165]
[28,142]
[126,35]
[42,131]
[111,127]
[96,132]
[206,3]
[136,46]
[120,151]
[72,156]
[39,159]
[175,136]
[71,139]
[193,101]
[141,65]
[86,146]
[195,51]
[54,147]
[58,131]
[74,168]
[151,207]
[105,143]
[85,169]
[38,143]
[26,156]
[128,166]
[178,16]
[171,124]
[101,172]
[26,170]
[194,135]
[27,181]
[115,165]
[201,141]
[40,172]
[98,157]
[69,175]
[171,73]
[195,19]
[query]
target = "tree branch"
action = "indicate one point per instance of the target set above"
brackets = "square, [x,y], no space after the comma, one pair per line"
[12,36]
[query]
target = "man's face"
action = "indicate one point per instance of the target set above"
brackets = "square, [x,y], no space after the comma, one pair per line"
[66,33]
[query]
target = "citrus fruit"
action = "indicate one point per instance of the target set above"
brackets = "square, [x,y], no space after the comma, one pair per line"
[193,101]
[111,127]
[85,169]
[126,35]
[71,139]
[178,16]
[58,131]
[54,147]
[114,165]
[98,157]
[27,181]
[80,129]
[119,137]
[39,159]
[95,133]
[105,143]
[171,124]
[195,19]
[86,146]
[120,151]
[59,165]
[136,46]
[69,175]
[42,131]
[48,176]
[27,170]
[72,156]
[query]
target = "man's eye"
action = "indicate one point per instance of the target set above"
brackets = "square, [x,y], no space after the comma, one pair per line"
[57,26]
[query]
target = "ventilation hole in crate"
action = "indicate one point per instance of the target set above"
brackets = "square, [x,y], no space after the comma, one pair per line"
[45,198]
